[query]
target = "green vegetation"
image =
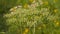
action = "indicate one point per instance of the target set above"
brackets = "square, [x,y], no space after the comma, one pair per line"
[30,17]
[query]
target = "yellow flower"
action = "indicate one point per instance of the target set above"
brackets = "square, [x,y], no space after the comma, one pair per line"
[46,2]
[57,23]
[31,1]
[26,30]
[25,5]
[55,1]
[55,10]
[24,33]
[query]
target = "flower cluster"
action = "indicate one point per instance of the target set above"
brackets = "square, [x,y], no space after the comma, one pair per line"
[40,17]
